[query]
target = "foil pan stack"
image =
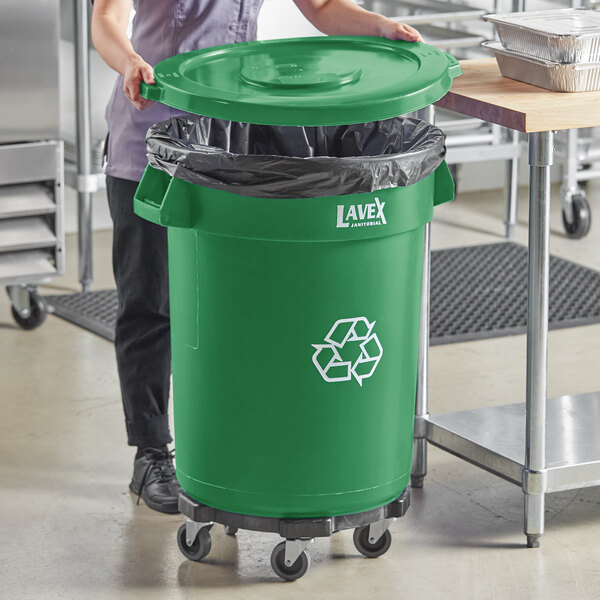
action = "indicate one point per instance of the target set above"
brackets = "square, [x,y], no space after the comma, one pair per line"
[555,49]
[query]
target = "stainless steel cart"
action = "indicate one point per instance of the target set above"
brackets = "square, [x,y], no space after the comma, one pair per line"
[31,156]
[31,224]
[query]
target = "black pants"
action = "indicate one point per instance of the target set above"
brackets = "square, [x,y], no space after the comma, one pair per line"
[142,337]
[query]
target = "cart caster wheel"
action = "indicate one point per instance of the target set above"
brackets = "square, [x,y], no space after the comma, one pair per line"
[230,530]
[366,548]
[416,481]
[582,218]
[200,546]
[293,572]
[37,314]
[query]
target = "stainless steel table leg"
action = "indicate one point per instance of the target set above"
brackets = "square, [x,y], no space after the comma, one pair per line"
[427,114]
[419,464]
[534,473]
[84,242]
[512,188]
[86,183]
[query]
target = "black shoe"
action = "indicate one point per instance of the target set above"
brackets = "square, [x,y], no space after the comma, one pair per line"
[154,480]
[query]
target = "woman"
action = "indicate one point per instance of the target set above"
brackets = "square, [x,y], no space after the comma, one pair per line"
[142,341]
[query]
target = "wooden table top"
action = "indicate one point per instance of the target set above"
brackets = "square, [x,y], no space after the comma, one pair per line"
[483,93]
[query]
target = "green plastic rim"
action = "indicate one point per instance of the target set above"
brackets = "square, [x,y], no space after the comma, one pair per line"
[305,81]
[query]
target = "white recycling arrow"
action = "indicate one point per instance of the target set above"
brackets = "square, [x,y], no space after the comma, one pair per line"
[327,357]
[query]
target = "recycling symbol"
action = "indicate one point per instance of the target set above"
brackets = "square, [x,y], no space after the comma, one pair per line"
[360,346]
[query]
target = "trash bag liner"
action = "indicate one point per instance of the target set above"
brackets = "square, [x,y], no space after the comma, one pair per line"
[295,162]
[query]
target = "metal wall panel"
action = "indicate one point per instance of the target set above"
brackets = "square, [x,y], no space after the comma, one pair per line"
[29,33]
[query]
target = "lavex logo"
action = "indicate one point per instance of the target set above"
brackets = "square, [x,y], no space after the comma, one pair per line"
[361,215]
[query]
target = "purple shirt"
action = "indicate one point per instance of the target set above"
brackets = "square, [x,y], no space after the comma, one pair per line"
[163,28]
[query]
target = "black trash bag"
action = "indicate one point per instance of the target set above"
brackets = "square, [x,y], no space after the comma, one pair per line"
[267,161]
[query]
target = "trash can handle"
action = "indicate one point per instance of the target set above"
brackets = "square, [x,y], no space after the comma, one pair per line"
[147,209]
[162,199]
[151,92]
[150,195]
[454,68]
[444,185]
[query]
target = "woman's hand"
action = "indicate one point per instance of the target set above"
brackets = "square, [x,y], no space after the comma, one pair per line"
[136,71]
[109,33]
[399,31]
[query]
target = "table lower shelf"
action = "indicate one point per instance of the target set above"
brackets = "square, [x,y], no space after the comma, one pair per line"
[493,438]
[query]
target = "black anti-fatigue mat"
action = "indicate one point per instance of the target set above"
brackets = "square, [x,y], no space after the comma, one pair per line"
[94,311]
[477,292]
[480,292]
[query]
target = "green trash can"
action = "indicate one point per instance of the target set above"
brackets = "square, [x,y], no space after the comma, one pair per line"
[294,315]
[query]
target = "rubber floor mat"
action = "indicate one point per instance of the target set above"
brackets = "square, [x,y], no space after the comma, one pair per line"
[477,292]
[94,311]
[480,292]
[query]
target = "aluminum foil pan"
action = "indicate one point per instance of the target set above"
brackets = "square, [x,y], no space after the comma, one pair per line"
[569,35]
[558,77]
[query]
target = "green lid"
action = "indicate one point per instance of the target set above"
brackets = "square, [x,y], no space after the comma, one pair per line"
[305,81]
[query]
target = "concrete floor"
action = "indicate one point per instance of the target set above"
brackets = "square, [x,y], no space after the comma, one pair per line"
[70,528]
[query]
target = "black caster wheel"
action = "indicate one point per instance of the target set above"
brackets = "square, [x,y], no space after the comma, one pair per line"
[199,548]
[293,572]
[582,218]
[37,314]
[416,481]
[364,546]
[230,530]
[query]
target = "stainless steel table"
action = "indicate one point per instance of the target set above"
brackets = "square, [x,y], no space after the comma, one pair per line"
[510,441]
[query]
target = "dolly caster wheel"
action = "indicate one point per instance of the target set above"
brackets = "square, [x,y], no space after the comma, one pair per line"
[368,548]
[582,217]
[34,316]
[416,481]
[230,530]
[285,571]
[199,548]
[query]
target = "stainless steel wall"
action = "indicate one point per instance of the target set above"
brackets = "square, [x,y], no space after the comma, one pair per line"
[29,94]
